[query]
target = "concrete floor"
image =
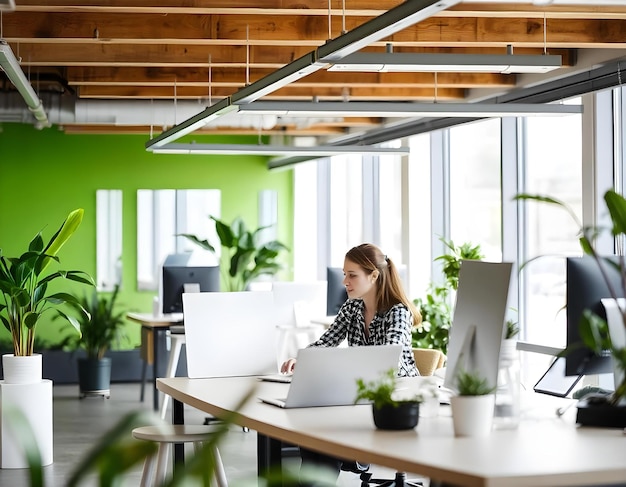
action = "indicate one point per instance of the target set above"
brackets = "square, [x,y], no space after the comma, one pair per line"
[79,423]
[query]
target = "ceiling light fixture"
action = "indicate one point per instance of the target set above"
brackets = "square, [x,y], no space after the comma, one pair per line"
[406,109]
[192,124]
[10,65]
[276,150]
[392,21]
[468,63]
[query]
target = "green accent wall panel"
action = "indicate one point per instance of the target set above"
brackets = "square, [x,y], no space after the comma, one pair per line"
[44,174]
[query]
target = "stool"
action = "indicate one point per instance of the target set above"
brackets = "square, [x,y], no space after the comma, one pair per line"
[165,436]
[177,342]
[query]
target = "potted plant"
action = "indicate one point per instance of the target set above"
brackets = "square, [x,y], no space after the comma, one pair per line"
[26,299]
[593,329]
[100,330]
[248,257]
[389,410]
[472,405]
[435,307]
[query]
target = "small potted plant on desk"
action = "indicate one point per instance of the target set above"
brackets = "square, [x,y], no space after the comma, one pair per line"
[472,405]
[102,328]
[390,412]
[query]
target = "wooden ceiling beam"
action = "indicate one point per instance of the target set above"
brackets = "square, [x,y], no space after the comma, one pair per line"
[298,30]
[317,7]
[171,57]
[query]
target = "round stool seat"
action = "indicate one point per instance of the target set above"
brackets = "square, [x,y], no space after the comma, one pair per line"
[174,433]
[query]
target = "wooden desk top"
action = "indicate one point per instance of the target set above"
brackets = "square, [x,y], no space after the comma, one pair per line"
[151,321]
[543,451]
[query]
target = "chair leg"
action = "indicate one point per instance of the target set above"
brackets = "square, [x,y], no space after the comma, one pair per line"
[220,473]
[161,470]
[148,470]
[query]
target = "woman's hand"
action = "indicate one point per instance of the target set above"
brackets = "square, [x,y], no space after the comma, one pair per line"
[288,366]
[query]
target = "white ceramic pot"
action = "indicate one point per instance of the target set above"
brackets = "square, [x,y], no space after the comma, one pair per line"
[21,369]
[472,415]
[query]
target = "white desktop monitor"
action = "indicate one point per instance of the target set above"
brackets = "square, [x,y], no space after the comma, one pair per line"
[477,327]
[230,334]
[296,303]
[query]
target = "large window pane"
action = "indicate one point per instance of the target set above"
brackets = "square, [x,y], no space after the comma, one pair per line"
[475,186]
[553,167]
[346,206]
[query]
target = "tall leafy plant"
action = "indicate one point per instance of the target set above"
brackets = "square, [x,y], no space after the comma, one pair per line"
[247,255]
[24,285]
[435,307]
[103,326]
[593,329]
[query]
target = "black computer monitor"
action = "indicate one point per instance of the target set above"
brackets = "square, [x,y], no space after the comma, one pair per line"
[586,286]
[177,273]
[336,291]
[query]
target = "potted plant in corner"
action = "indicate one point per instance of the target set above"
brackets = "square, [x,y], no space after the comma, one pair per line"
[390,411]
[472,405]
[26,300]
[248,257]
[100,330]
[607,410]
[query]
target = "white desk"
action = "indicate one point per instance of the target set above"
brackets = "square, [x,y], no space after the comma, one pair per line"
[155,324]
[543,452]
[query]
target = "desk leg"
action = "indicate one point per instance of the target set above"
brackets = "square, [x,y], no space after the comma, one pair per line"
[155,367]
[178,417]
[269,454]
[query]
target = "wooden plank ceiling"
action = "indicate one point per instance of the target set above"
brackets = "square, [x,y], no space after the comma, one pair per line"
[205,50]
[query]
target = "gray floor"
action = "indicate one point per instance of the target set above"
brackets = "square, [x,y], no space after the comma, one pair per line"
[78,423]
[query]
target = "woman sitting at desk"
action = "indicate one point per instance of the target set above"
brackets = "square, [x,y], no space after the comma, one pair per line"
[377,312]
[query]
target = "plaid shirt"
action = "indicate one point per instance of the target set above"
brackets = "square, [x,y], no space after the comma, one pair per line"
[394,327]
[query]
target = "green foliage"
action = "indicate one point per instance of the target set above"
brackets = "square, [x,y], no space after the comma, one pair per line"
[452,261]
[24,286]
[593,329]
[380,392]
[435,307]
[472,384]
[102,327]
[248,257]
[512,329]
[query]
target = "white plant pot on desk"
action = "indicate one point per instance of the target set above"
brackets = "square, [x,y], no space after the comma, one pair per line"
[472,415]
[21,369]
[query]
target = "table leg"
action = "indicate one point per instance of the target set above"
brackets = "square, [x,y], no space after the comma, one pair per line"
[155,367]
[178,417]
[269,455]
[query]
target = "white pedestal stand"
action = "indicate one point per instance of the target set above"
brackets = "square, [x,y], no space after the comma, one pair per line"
[34,401]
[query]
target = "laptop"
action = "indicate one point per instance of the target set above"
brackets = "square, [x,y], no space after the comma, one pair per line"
[327,376]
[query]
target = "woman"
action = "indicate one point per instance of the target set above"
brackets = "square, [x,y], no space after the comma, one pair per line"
[377,312]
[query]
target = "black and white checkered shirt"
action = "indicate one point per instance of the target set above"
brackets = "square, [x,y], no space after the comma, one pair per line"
[392,328]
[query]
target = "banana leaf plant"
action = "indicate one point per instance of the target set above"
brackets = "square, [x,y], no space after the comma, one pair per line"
[248,256]
[24,286]
[593,329]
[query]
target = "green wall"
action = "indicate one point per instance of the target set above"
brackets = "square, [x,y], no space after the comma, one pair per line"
[46,174]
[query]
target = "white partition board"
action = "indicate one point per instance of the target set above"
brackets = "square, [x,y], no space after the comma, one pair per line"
[291,297]
[480,309]
[230,334]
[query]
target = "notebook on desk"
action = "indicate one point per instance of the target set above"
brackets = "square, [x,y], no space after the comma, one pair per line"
[327,376]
